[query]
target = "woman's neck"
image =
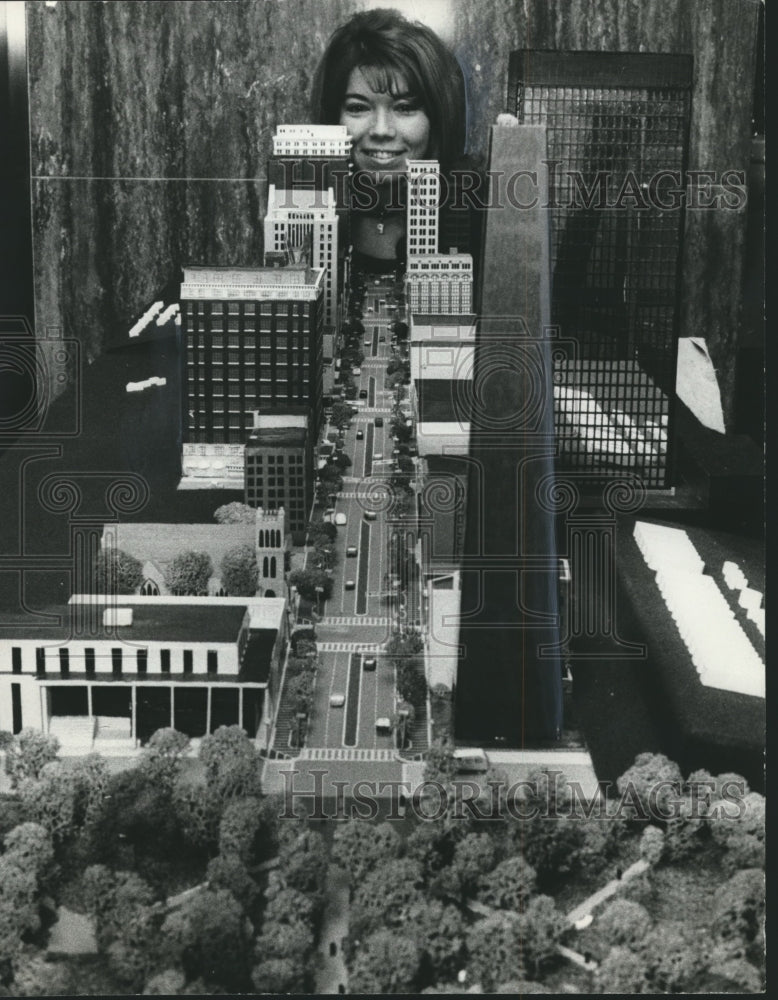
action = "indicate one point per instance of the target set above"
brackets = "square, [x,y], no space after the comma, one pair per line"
[377,234]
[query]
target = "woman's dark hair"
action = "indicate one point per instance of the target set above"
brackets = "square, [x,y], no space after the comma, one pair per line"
[386,47]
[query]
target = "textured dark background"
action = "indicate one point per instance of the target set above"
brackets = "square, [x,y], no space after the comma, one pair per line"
[151,124]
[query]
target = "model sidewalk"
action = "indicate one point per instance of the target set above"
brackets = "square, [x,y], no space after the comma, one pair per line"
[608,890]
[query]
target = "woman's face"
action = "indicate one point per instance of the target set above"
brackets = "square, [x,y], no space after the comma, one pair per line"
[386,129]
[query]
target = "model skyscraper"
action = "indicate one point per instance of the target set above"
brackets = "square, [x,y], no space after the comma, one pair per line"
[509,685]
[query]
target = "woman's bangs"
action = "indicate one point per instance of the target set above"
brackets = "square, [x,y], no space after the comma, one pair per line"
[389,78]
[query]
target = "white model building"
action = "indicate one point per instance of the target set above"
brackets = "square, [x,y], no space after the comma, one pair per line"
[435,282]
[118,668]
[440,283]
[296,216]
[423,207]
[312,140]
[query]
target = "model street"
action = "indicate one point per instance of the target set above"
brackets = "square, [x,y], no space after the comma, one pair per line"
[354,696]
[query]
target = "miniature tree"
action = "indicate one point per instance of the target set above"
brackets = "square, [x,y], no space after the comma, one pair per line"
[210,935]
[161,757]
[189,573]
[235,513]
[386,963]
[117,572]
[341,414]
[360,847]
[655,782]
[306,581]
[239,571]
[624,922]
[739,906]
[28,753]
[510,885]
[277,976]
[231,763]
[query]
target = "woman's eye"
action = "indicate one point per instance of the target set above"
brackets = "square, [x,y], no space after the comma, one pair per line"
[352,108]
[407,107]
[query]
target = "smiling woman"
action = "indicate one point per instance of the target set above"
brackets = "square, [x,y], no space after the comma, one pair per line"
[387,128]
[400,93]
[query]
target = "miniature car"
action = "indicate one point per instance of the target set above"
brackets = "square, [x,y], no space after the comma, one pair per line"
[337,700]
[356,371]
[351,550]
[470,760]
[370,515]
[349,585]
[360,435]
[377,456]
[368,663]
[340,519]
[379,421]
[363,393]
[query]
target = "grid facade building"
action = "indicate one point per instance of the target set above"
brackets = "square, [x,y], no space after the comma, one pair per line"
[613,118]
[304,217]
[440,283]
[423,207]
[279,467]
[253,341]
[312,140]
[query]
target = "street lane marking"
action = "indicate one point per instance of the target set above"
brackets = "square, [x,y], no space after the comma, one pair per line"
[351,720]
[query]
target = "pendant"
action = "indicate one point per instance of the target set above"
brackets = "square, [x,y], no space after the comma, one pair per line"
[380,229]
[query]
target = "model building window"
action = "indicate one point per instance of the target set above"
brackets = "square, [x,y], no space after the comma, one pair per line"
[213,661]
[164,661]
[188,661]
[64,662]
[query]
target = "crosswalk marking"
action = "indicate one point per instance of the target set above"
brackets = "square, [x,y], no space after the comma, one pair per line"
[349,647]
[354,619]
[335,753]
[353,496]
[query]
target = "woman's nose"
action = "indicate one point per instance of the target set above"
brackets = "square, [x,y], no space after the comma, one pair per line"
[383,122]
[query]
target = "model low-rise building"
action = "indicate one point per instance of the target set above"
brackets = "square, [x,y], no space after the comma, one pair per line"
[109,671]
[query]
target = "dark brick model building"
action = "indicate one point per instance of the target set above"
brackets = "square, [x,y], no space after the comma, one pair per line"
[253,341]
[279,466]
